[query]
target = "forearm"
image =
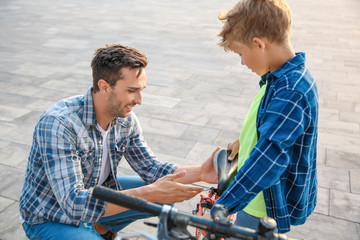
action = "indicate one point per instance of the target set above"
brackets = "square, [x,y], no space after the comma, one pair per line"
[141,192]
[193,174]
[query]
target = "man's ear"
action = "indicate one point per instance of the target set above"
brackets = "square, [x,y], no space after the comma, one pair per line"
[258,43]
[103,86]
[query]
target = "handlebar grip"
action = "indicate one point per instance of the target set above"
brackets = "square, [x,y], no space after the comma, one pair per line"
[122,199]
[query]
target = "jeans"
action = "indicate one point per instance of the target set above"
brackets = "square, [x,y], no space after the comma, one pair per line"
[114,223]
[245,220]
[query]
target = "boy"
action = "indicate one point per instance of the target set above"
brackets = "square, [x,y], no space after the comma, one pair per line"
[277,146]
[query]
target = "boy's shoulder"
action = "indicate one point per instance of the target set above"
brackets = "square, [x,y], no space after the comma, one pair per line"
[294,76]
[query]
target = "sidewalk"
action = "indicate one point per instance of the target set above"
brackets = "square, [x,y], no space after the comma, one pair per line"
[197,94]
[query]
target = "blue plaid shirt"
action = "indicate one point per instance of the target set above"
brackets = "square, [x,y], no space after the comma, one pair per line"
[283,162]
[65,160]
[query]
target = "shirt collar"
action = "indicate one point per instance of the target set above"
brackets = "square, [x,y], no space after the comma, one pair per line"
[296,61]
[89,117]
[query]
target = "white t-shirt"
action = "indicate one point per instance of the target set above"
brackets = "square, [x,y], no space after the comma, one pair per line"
[105,159]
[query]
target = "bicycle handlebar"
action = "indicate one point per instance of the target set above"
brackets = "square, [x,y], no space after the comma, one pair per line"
[178,218]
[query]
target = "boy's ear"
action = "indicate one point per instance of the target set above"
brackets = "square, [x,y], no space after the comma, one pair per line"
[259,43]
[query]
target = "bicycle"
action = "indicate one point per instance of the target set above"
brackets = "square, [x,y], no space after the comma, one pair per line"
[226,171]
[172,224]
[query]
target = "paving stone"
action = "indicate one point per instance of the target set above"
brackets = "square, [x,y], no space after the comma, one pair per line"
[333,178]
[226,137]
[16,133]
[355,181]
[350,117]
[152,99]
[323,199]
[200,152]
[345,205]
[321,159]
[13,154]
[340,159]
[339,142]
[339,127]
[329,114]
[197,93]
[5,203]
[10,113]
[11,226]
[11,186]
[319,226]
[158,126]
[169,145]
[201,134]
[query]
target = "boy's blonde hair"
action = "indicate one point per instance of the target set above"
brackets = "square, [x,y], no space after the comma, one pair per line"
[256,18]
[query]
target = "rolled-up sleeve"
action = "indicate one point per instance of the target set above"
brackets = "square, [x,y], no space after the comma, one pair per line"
[142,159]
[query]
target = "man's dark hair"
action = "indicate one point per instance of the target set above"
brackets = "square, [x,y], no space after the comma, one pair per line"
[108,62]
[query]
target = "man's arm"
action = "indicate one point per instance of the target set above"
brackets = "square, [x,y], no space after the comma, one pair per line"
[204,172]
[165,190]
[172,188]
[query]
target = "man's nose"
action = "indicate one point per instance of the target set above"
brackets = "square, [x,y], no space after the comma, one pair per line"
[138,99]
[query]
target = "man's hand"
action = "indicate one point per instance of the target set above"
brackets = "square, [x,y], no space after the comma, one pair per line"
[207,171]
[167,190]
[234,149]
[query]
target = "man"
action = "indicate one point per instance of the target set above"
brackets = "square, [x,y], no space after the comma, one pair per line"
[78,144]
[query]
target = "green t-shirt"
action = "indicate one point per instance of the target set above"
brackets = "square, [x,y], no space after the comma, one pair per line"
[248,139]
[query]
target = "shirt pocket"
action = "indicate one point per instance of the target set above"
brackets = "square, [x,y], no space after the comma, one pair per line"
[120,148]
[87,159]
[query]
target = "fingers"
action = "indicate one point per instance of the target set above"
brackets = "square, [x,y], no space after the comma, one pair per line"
[180,192]
[169,191]
[232,156]
[186,188]
[217,149]
[176,176]
[234,149]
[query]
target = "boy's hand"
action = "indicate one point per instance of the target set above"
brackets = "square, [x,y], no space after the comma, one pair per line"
[233,148]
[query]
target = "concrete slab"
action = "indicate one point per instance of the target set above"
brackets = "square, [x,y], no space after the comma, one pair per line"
[197,94]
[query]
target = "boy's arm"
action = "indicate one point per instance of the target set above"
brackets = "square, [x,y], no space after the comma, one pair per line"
[281,125]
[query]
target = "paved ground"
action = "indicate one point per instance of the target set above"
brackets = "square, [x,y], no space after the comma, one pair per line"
[197,94]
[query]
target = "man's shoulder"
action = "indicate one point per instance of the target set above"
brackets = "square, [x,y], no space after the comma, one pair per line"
[65,109]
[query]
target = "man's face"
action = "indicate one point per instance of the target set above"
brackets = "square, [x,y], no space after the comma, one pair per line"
[251,57]
[126,93]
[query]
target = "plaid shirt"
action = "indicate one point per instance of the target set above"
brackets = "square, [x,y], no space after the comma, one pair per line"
[65,160]
[283,162]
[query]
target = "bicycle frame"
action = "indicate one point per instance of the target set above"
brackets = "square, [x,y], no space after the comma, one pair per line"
[172,224]
[205,204]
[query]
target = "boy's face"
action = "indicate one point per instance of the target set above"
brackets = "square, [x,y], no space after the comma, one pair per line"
[252,57]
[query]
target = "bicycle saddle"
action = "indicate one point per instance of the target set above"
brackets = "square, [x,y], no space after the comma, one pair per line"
[226,169]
